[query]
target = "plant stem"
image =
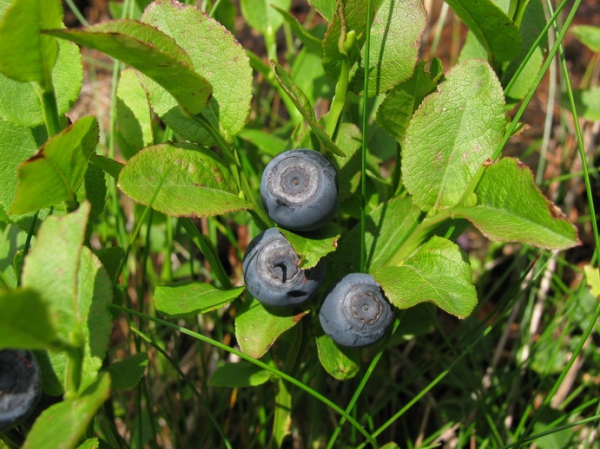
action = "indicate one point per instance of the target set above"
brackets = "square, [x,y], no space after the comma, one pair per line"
[363,151]
[74,365]
[345,43]
[50,111]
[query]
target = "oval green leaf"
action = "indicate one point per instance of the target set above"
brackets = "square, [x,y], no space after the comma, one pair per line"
[76,287]
[216,55]
[239,375]
[452,133]
[511,208]
[341,363]
[188,298]
[257,327]
[181,180]
[395,40]
[492,27]
[438,272]
[151,52]
[589,36]
[127,373]
[313,246]
[133,112]
[262,16]
[395,111]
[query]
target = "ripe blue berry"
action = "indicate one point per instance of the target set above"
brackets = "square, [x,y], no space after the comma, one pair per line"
[20,386]
[299,190]
[356,312]
[272,273]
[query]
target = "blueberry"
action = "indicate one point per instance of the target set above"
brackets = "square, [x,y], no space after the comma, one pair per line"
[299,190]
[20,386]
[356,312]
[272,273]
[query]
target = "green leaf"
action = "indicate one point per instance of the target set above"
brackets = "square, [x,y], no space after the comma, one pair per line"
[587,102]
[349,140]
[341,363]
[532,24]
[511,208]
[94,295]
[438,272]
[76,287]
[303,105]
[257,327]
[52,266]
[261,15]
[351,16]
[127,373]
[472,49]
[395,111]
[181,180]
[452,133]
[94,190]
[226,13]
[215,54]
[63,424]
[308,75]
[26,321]
[387,227]
[151,52]
[589,36]
[239,375]
[390,445]
[592,277]
[67,78]
[90,443]
[25,54]
[111,258]
[325,7]
[311,42]
[133,111]
[492,27]
[186,298]
[266,142]
[56,172]
[313,246]
[107,165]
[17,144]
[395,40]
[12,242]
